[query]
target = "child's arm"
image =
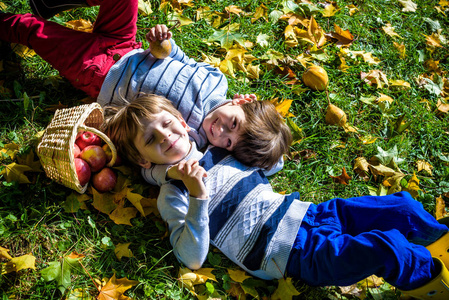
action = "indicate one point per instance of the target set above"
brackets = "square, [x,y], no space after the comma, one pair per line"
[160,32]
[187,217]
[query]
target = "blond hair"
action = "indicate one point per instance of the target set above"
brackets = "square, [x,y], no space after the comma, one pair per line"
[123,122]
[265,138]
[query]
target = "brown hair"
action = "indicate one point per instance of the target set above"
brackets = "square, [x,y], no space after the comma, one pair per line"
[265,138]
[123,122]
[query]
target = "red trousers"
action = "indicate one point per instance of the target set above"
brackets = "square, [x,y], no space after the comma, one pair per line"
[81,57]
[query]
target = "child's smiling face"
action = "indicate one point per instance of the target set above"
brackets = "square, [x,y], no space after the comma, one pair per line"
[164,139]
[224,125]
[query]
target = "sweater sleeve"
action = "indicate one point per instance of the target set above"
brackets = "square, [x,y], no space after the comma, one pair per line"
[276,168]
[188,225]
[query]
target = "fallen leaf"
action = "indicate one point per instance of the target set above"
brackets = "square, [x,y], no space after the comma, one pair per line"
[122,214]
[4,253]
[122,250]
[388,29]
[15,173]
[15,264]
[329,10]
[115,288]
[144,7]
[413,186]
[424,165]
[442,107]
[283,106]
[189,279]
[238,275]
[400,48]
[343,178]
[344,37]
[361,167]
[9,150]
[408,5]
[285,290]
[80,25]
[440,208]
[61,270]
[375,77]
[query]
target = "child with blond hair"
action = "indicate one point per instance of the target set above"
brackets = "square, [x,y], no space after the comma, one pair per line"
[222,202]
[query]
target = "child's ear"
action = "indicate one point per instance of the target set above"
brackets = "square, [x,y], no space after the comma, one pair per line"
[241,101]
[183,123]
[145,164]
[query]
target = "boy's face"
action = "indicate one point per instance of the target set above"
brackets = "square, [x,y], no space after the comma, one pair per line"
[164,140]
[224,125]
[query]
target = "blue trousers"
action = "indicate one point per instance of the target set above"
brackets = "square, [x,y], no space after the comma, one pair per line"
[343,241]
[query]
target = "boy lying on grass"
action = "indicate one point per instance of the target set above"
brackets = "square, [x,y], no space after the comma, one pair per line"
[222,202]
[109,65]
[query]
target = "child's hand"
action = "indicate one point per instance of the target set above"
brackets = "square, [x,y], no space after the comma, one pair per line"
[158,32]
[191,173]
[251,97]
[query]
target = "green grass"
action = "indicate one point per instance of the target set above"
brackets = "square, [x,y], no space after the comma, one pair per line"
[32,219]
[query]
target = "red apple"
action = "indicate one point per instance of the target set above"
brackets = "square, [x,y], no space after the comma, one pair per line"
[105,180]
[95,157]
[82,171]
[108,152]
[76,150]
[88,138]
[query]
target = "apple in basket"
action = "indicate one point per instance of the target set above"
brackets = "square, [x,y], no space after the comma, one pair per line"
[105,180]
[87,138]
[82,171]
[76,150]
[107,150]
[94,155]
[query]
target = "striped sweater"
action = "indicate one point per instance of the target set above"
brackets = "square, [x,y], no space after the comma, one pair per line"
[243,217]
[194,88]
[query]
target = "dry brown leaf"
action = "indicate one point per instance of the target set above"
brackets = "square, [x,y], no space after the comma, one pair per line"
[375,77]
[442,107]
[440,208]
[361,167]
[343,178]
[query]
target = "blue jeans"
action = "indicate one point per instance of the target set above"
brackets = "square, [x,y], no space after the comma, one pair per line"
[343,241]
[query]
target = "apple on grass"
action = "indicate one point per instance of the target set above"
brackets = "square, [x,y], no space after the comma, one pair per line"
[105,180]
[87,138]
[94,155]
[82,171]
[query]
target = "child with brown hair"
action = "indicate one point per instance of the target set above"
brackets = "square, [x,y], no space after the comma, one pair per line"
[108,64]
[222,202]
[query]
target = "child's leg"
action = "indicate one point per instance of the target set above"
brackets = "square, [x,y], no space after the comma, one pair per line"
[343,241]
[83,58]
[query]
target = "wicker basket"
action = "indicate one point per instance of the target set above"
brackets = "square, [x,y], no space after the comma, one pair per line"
[55,150]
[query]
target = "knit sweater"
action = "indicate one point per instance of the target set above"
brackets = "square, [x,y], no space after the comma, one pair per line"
[243,217]
[195,89]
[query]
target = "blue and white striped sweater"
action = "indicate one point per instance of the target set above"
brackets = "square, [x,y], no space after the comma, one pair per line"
[243,217]
[194,88]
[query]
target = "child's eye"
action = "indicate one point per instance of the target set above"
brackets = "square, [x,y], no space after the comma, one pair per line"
[228,144]
[150,140]
[166,123]
[234,124]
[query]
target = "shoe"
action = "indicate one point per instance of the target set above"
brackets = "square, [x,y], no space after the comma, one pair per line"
[440,249]
[437,288]
[48,8]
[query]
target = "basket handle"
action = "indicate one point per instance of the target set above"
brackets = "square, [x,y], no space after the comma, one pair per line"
[105,138]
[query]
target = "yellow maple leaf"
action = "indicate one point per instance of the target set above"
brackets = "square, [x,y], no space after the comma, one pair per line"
[144,7]
[443,3]
[408,5]
[388,29]
[317,35]
[344,37]
[402,84]
[442,107]
[234,9]
[238,275]
[28,160]
[375,77]
[9,150]
[352,9]
[285,290]
[400,48]
[190,278]
[115,288]
[424,165]
[283,106]
[261,12]
[433,40]
[80,25]
[104,202]
[361,167]
[122,250]
[4,253]
[413,186]
[15,264]
[330,10]
[440,208]
[15,173]
[122,214]
[366,56]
